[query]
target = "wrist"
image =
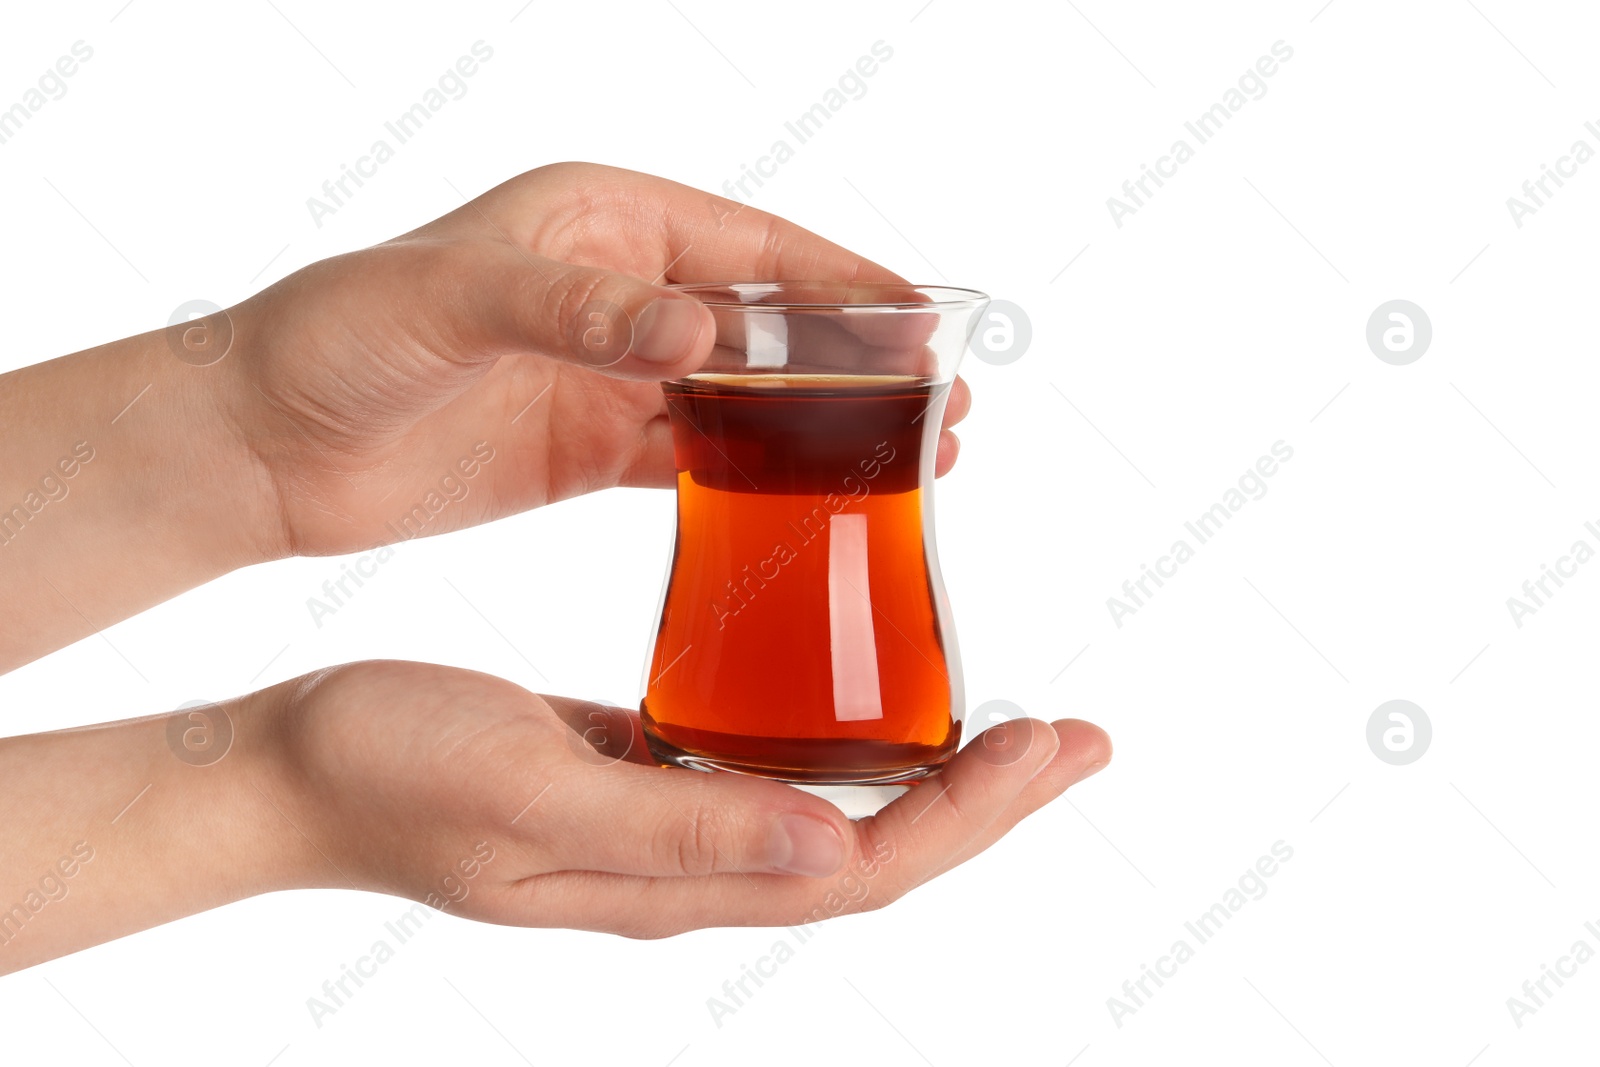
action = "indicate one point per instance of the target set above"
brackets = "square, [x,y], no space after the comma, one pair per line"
[164,466]
[299,797]
[200,464]
[239,765]
[125,483]
[129,825]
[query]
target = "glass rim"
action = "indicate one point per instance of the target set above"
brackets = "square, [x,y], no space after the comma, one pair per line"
[941,297]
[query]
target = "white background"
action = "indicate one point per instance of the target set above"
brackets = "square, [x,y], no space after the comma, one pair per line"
[1225,315]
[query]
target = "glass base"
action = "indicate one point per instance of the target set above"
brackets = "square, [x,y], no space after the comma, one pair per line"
[857,801]
[804,762]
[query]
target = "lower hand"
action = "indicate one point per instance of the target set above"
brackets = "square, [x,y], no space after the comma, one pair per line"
[469,793]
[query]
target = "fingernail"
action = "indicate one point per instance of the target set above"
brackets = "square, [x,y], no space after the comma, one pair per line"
[806,846]
[666,329]
[1093,768]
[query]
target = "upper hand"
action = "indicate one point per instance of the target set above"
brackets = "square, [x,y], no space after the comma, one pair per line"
[364,383]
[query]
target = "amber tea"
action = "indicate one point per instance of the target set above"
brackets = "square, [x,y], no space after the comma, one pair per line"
[804,633]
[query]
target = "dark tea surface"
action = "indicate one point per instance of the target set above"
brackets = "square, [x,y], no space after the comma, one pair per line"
[804,631]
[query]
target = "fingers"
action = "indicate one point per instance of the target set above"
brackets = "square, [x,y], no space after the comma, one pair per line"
[595,318]
[893,853]
[943,813]
[945,458]
[575,211]
[577,240]
[653,467]
[958,404]
[997,780]
[671,823]
[636,906]
[1085,749]
[819,343]
[613,733]
[831,327]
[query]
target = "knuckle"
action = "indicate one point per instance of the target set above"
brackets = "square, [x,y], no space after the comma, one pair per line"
[771,242]
[958,806]
[690,845]
[576,290]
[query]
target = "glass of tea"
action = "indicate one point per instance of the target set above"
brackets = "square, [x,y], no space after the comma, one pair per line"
[804,631]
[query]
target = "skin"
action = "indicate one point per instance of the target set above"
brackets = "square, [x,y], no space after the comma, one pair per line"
[346,391]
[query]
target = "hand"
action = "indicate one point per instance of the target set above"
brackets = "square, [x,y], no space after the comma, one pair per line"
[468,793]
[432,382]
[366,382]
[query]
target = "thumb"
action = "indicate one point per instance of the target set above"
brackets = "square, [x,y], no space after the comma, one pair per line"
[612,323]
[624,818]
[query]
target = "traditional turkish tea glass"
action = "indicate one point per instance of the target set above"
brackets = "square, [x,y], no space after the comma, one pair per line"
[804,631]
